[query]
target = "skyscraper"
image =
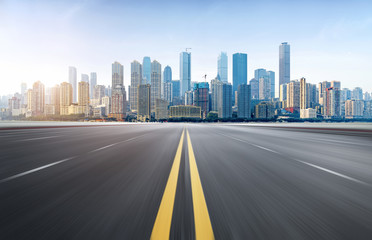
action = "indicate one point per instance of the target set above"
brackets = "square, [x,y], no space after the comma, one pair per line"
[201,97]
[72,79]
[224,100]
[66,97]
[155,83]
[24,93]
[38,98]
[293,96]
[167,74]
[118,103]
[176,86]
[55,99]
[244,101]
[239,70]
[214,94]
[146,70]
[144,102]
[83,100]
[271,75]
[284,63]
[332,102]
[85,78]
[93,83]
[264,87]
[254,83]
[117,75]
[185,72]
[136,80]
[222,67]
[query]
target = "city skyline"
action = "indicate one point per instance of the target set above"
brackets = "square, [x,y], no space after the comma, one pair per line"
[325,48]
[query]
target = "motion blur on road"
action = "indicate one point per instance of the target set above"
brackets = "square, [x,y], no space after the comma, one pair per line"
[185,181]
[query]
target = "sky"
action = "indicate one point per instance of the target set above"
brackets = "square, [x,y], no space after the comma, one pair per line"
[330,40]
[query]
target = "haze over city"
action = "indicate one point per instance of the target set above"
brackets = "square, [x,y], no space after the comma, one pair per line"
[39,40]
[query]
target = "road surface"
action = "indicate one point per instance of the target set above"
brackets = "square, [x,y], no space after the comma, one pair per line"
[185,181]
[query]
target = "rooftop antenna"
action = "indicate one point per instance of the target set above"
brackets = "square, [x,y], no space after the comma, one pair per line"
[205,78]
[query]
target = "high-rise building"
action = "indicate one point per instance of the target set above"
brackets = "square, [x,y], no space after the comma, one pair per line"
[117,75]
[185,72]
[357,93]
[201,97]
[23,93]
[66,97]
[271,75]
[345,94]
[118,103]
[176,98]
[224,100]
[244,101]
[322,90]
[304,94]
[161,109]
[240,69]
[283,95]
[254,83]
[264,87]
[144,102]
[155,83]
[99,92]
[93,83]
[83,98]
[38,99]
[189,98]
[29,100]
[264,110]
[84,78]
[293,96]
[136,80]
[284,63]
[167,74]
[146,70]
[72,79]
[55,99]
[354,108]
[222,64]
[332,102]
[214,94]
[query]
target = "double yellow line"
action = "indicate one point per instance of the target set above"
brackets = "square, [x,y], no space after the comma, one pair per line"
[162,226]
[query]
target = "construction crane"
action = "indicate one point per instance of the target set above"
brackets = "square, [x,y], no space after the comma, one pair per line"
[187,49]
[205,78]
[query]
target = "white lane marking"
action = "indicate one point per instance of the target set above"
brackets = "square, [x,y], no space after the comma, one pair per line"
[34,170]
[332,172]
[240,140]
[98,149]
[33,139]
[267,149]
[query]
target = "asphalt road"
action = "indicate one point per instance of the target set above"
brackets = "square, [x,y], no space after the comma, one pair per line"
[185,181]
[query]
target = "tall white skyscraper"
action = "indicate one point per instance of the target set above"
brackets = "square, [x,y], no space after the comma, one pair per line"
[72,79]
[93,83]
[155,83]
[222,67]
[135,81]
[185,72]
[284,63]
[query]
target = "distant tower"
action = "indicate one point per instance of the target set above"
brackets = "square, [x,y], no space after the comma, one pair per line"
[185,72]
[135,81]
[155,83]
[72,79]
[284,63]
[239,70]
[146,70]
[93,83]
[222,67]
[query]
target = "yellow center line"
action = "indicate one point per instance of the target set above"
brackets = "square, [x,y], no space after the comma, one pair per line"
[163,220]
[203,226]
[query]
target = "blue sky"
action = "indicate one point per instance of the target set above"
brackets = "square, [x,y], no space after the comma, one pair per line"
[330,40]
